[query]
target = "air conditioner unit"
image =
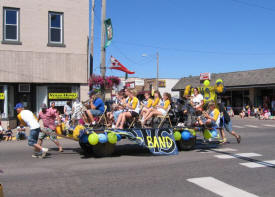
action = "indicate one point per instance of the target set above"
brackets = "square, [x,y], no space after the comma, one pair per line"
[24,88]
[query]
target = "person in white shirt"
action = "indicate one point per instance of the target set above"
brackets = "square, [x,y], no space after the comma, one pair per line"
[27,118]
[197,100]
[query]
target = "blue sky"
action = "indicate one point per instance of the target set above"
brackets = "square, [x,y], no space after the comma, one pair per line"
[191,36]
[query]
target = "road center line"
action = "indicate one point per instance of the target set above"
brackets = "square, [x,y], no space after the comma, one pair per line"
[220,188]
[268,125]
[237,126]
[252,126]
[238,155]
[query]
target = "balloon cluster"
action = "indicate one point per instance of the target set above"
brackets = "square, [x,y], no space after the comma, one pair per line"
[219,87]
[210,134]
[111,137]
[184,135]
[76,131]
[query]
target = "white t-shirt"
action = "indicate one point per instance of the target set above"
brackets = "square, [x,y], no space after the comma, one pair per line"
[197,100]
[29,118]
[76,110]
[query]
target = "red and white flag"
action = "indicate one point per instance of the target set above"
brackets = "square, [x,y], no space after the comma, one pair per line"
[118,66]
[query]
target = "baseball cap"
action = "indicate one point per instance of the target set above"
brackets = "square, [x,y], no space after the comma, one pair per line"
[19,105]
[92,92]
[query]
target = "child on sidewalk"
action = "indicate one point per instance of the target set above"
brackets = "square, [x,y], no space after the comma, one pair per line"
[9,134]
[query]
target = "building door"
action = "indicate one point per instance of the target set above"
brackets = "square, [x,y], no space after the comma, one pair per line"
[41,97]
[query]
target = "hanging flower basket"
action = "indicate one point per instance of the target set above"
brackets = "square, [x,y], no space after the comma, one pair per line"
[99,82]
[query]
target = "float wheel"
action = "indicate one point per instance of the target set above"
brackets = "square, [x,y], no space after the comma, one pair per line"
[186,145]
[87,148]
[103,150]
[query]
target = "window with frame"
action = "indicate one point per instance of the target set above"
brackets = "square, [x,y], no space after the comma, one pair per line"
[11,24]
[56,29]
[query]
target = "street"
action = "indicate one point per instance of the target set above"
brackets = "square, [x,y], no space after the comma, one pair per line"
[246,169]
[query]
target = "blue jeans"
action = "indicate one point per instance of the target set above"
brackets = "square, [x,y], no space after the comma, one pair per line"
[33,137]
[116,114]
[228,126]
[96,112]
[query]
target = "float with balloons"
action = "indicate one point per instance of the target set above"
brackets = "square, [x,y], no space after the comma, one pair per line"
[160,141]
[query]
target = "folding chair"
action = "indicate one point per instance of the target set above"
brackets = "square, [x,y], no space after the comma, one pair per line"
[103,116]
[163,118]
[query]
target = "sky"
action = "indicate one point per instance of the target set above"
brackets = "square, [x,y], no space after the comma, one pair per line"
[191,36]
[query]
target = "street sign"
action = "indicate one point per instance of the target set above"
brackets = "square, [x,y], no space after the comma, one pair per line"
[205,76]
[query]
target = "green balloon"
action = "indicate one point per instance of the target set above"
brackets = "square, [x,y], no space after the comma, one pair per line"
[93,139]
[112,138]
[207,134]
[192,131]
[177,135]
[206,83]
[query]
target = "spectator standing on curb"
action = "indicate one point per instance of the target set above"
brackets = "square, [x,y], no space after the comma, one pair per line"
[68,110]
[27,118]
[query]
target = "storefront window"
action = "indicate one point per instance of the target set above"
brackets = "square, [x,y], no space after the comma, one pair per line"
[11,101]
[59,102]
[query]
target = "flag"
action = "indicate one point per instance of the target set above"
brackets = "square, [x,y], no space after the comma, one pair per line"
[118,66]
[109,32]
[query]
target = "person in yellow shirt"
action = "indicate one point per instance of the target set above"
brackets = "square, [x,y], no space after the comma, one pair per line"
[157,99]
[147,104]
[212,118]
[132,108]
[161,109]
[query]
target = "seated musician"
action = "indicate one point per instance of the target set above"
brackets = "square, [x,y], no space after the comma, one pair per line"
[161,109]
[96,107]
[156,102]
[147,104]
[131,109]
[117,107]
[211,119]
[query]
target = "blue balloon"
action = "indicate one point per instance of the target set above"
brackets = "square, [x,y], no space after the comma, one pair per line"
[102,138]
[118,137]
[214,133]
[84,139]
[185,135]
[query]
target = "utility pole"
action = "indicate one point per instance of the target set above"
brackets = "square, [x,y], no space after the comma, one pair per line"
[91,38]
[157,81]
[103,35]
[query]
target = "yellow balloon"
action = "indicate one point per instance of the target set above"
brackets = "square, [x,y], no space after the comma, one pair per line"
[219,80]
[206,83]
[187,90]
[76,131]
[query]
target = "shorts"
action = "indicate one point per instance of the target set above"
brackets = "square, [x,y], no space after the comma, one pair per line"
[42,135]
[134,114]
[33,137]
[96,112]
[228,127]
[163,112]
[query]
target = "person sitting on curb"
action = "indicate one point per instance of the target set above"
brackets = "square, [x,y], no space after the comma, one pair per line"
[27,118]
[20,135]
[9,134]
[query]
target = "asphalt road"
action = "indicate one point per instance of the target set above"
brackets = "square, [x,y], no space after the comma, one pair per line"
[201,172]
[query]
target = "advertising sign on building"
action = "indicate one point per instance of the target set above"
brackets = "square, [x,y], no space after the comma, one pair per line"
[63,96]
[205,76]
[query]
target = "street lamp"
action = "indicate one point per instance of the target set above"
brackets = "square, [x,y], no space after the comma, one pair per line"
[157,79]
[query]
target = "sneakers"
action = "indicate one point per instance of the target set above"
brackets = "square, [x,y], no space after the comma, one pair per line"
[44,152]
[37,155]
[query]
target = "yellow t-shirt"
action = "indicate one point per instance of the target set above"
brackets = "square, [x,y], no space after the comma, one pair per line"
[134,102]
[216,114]
[149,103]
[156,102]
[166,104]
